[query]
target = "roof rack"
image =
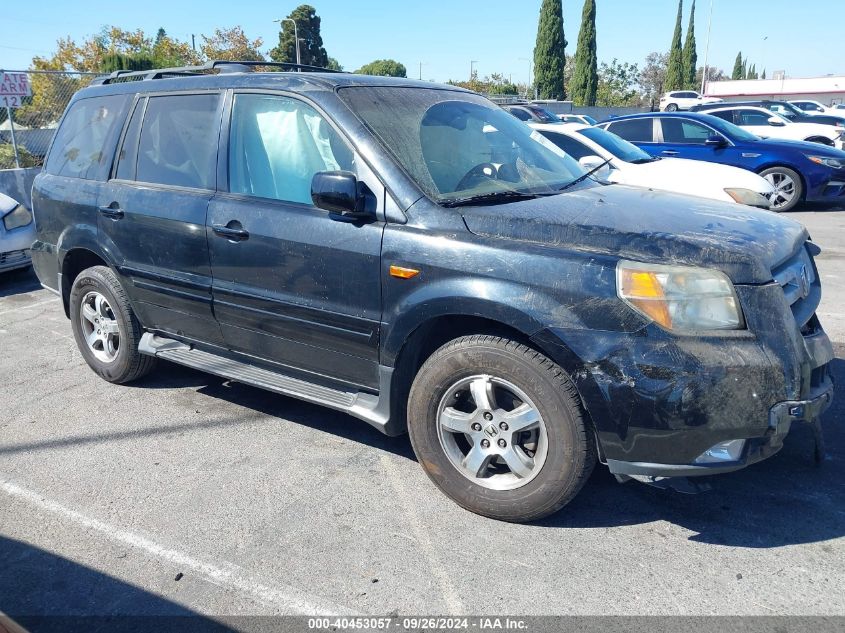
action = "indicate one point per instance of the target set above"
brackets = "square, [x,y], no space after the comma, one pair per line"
[205,69]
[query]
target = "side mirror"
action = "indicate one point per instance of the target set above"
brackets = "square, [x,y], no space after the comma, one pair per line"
[340,192]
[716,140]
[776,121]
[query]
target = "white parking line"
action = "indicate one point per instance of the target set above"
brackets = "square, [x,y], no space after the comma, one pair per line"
[27,307]
[288,600]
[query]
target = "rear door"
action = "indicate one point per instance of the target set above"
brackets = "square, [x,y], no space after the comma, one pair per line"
[153,211]
[293,284]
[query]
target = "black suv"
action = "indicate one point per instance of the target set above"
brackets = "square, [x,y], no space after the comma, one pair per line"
[784,108]
[413,255]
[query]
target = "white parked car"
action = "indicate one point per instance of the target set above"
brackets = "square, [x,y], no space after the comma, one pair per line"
[683,100]
[17,233]
[813,107]
[586,119]
[768,124]
[629,165]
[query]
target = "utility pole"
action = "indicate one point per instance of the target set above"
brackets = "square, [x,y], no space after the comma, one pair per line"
[193,42]
[471,71]
[421,65]
[707,49]
[295,37]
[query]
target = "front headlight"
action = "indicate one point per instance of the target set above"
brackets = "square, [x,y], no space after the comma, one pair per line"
[679,298]
[834,163]
[17,217]
[751,198]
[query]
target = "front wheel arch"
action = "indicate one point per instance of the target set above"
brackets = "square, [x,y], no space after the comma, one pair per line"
[822,140]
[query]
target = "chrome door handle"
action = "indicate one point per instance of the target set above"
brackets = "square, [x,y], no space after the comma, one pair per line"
[115,213]
[233,234]
[669,152]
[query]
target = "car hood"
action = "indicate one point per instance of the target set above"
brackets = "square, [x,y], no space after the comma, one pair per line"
[692,177]
[650,226]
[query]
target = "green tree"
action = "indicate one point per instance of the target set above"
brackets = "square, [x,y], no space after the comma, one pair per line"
[764,74]
[549,52]
[690,57]
[616,84]
[675,71]
[653,77]
[752,72]
[744,72]
[311,48]
[384,68]
[585,78]
[123,61]
[334,64]
[737,71]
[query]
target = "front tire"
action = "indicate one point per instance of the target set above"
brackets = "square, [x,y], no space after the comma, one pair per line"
[105,327]
[498,427]
[672,107]
[789,188]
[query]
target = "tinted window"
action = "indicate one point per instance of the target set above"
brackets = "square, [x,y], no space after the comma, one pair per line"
[520,114]
[634,130]
[276,146]
[569,145]
[617,146]
[80,147]
[684,131]
[544,116]
[127,159]
[725,115]
[752,117]
[178,144]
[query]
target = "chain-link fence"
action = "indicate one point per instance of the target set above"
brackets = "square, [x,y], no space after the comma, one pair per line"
[25,137]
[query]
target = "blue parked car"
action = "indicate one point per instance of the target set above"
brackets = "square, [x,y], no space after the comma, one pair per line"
[798,170]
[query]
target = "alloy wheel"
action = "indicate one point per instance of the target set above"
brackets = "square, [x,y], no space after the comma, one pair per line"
[492,432]
[99,327]
[784,189]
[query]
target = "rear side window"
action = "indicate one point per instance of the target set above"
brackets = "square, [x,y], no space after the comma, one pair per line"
[569,145]
[178,142]
[520,114]
[686,132]
[633,130]
[83,144]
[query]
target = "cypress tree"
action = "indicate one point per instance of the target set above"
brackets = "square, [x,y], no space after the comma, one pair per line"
[549,52]
[675,71]
[752,72]
[585,78]
[690,57]
[737,71]
[764,74]
[744,71]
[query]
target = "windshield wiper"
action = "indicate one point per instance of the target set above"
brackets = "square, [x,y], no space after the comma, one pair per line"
[508,195]
[583,177]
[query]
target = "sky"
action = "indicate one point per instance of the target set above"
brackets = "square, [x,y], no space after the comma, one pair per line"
[447,35]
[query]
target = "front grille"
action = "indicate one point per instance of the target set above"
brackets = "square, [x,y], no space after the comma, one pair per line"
[13,257]
[799,281]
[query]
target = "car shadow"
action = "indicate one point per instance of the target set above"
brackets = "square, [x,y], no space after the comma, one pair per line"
[18,282]
[43,592]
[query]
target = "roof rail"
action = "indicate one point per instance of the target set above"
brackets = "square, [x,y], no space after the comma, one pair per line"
[204,69]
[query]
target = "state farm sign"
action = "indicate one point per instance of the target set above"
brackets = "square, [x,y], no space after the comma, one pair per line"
[13,88]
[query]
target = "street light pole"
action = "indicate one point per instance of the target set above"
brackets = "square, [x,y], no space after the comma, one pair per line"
[530,64]
[707,49]
[471,71]
[295,37]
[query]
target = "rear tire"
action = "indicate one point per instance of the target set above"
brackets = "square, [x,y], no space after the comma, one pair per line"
[789,188]
[672,107]
[479,390]
[105,327]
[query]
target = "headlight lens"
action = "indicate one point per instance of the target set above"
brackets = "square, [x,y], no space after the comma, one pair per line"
[17,217]
[751,198]
[679,298]
[834,163]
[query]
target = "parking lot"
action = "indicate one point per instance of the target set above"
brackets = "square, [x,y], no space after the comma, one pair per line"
[185,493]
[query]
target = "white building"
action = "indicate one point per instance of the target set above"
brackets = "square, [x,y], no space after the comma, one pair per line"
[827,90]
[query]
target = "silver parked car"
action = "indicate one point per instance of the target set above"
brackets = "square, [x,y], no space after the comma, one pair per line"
[17,232]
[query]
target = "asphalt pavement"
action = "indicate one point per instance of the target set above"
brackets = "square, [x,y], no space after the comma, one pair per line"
[187,494]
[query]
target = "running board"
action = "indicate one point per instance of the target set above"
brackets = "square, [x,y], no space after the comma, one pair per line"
[373,409]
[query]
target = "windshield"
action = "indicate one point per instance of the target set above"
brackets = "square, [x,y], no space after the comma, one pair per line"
[457,145]
[589,119]
[733,132]
[545,116]
[616,145]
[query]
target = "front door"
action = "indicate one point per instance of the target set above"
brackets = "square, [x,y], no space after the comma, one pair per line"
[153,212]
[293,284]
